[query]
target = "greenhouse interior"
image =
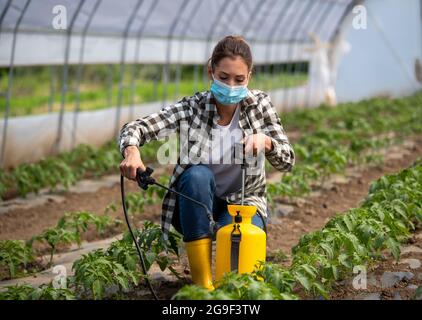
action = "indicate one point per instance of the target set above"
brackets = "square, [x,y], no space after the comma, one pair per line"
[332,89]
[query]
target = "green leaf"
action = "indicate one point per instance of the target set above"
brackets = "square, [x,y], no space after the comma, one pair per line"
[303,280]
[328,250]
[394,246]
[97,289]
[418,293]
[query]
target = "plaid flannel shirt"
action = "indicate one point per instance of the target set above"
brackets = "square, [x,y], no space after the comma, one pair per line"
[257,115]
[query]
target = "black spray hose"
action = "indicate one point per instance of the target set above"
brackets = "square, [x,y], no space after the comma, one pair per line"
[263,221]
[144,179]
[138,249]
[209,214]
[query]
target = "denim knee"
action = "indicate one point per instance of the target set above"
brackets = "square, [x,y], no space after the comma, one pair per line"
[196,177]
[198,183]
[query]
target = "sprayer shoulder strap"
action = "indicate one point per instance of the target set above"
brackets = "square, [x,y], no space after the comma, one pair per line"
[235,248]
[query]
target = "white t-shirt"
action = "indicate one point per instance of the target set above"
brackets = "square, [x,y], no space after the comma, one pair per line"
[228,175]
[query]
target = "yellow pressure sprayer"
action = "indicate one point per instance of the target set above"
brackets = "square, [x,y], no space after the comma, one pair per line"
[240,245]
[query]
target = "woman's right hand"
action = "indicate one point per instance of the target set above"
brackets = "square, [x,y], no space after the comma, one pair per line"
[131,163]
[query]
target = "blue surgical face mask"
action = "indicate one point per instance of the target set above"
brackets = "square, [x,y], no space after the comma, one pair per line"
[228,95]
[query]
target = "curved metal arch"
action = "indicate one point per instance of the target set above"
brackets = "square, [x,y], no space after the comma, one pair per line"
[123,63]
[80,68]
[10,78]
[324,7]
[272,34]
[292,40]
[170,35]
[195,9]
[321,24]
[255,11]
[3,14]
[211,32]
[260,22]
[343,17]
[259,6]
[297,20]
[139,35]
[56,145]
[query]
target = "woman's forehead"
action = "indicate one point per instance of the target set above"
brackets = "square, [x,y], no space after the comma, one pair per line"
[234,66]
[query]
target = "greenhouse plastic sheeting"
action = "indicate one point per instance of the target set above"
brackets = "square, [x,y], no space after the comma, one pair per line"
[31,138]
[194,25]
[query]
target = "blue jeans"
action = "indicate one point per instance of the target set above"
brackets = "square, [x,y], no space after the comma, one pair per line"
[191,219]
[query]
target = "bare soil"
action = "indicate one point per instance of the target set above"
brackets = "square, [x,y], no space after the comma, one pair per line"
[405,289]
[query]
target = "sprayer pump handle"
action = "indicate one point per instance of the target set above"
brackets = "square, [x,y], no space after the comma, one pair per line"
[144,178]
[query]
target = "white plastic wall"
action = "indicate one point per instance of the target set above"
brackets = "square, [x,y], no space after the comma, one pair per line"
[381,60]
[30,138]
[31,50]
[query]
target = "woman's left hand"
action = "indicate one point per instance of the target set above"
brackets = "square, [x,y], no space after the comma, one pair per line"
[257,143]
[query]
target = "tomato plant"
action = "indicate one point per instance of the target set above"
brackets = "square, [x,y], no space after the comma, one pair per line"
[14,254]
[44,292]
[97,271]
[79,221]
[54,237]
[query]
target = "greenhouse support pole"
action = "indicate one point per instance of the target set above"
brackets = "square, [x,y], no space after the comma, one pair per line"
[3,14]
[210,34]
[292,43]
[10,76]
[321,16]
[139,35]
[53,74]
[170,36]
[271,39]
[185,29]
[249,23]
[56,145]
[280,39]
[110,80]
[322,23]
[268,63]
[295,23]
[123,64]
[80,69]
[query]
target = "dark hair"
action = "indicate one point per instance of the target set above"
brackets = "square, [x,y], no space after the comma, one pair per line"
[231,46]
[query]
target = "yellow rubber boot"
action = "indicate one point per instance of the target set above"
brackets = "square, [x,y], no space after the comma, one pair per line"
[199,255]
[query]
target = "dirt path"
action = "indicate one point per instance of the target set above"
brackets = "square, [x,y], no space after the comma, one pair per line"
[23,223]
